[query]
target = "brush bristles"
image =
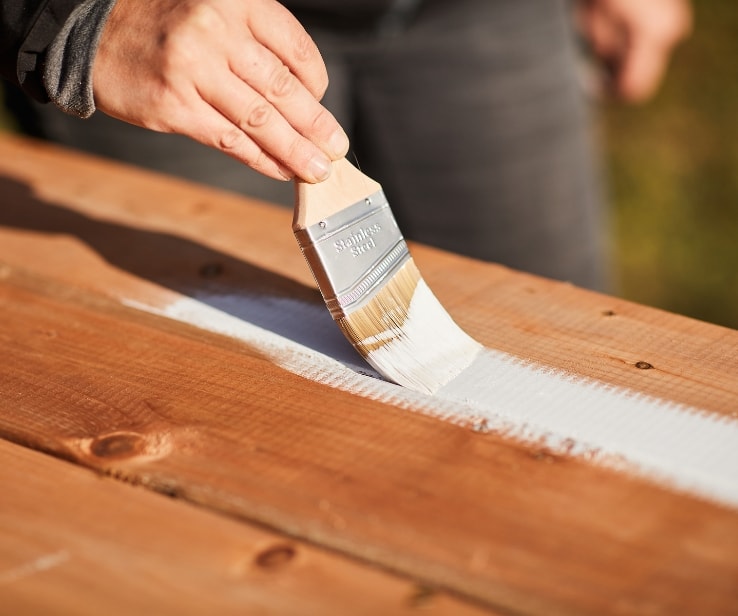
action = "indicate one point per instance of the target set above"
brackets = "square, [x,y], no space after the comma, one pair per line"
[405,333]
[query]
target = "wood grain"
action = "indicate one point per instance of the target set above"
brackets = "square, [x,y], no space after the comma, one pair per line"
[200,418]
[211,421]
[77,543]
[94,212]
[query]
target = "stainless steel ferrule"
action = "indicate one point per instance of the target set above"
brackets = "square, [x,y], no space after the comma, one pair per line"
[353,252]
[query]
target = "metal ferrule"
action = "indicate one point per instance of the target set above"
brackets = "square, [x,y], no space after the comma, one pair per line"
[353,252]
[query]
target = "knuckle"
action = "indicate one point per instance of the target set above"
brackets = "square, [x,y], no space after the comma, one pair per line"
[197,21]
[322,122]
[258,115]
[231,140]
[260,162]
[297,154]
[176,53]
[282,83]
[312,70]
[305,48]
[203,17]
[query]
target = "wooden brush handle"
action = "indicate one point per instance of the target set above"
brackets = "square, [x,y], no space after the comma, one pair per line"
[345,186]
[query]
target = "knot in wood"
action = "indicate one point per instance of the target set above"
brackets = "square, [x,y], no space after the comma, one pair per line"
[275,557]
[118,445]
[643,365]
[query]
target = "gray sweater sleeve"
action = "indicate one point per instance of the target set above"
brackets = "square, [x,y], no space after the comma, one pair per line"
[68,70]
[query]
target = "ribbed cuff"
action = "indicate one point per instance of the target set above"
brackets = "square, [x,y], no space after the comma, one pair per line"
[69,61]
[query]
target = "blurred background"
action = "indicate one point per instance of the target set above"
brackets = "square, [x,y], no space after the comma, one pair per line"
[672,167]
[672,173]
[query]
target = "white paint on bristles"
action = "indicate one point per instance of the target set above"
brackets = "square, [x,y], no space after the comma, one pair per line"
[684,448]
[426,350]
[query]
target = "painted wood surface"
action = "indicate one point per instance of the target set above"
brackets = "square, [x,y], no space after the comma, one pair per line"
[208,419]
[77,543]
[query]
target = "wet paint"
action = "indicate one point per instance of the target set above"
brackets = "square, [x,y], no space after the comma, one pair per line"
[684,448]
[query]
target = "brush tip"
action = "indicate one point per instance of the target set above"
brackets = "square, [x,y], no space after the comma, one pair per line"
[407,336]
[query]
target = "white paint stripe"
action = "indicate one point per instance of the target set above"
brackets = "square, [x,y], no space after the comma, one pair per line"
[695,450]
[685,448]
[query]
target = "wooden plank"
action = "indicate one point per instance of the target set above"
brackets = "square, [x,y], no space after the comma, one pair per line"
[72,542]
[93,213]
[200,418]
[217,422]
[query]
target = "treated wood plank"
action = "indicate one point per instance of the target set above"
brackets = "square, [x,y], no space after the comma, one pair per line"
[200,417]
[217,422]
[91,213]
[72,542]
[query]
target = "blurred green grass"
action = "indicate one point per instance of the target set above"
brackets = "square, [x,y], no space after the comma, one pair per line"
[672,168]
[673,178]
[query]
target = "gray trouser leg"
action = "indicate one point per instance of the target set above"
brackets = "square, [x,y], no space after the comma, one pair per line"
[474,122]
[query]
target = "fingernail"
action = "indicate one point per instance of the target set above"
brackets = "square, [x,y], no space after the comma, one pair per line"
[338,143]
[285,173]
[320,168]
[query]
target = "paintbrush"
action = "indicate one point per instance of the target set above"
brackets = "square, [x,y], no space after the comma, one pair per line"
[371,285]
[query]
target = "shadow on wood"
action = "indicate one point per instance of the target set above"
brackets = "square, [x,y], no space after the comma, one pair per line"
[245,291]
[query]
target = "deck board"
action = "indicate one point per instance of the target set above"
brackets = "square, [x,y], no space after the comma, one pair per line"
[74,542]
[211,420]
[94,213]
[184,413]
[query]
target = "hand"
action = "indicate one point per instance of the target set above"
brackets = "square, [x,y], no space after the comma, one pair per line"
[635,39]
[242,76]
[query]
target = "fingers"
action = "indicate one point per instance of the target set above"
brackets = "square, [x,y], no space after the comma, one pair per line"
[265,130]
[208,126]
[636,39]
[278,31]
[642,68]
[273,106]
[650,43]
[274,129]
[284,128]
[200,68]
